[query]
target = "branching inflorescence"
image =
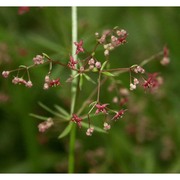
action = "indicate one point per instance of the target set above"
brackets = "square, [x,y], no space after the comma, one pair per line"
[109,40]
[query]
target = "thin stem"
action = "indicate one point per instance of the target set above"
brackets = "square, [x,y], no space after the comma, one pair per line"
[86,102]
[73,93]
[153,57]
[116,69]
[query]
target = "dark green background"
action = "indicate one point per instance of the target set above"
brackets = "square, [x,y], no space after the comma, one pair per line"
[155,144]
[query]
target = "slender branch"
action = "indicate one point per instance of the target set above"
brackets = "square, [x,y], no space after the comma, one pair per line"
[86,102]
[153,57]
[116,69]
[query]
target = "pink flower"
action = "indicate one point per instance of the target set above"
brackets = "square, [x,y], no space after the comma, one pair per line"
[165,60]
[79,46]
[23,10]
[15,80]
[54,82]
[119,114]
[5,74]
[77,120]
[46,86]
[29,84]
[98,65]
[45,125]
[101,108]
[139,69]
[152,81]
[107,126]
[72,63]
[89,131]
[38,60]
[47,79]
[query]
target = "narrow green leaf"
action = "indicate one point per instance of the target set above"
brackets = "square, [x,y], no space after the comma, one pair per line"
[93,103]
[108,74]
[134,66]
[39,117]
[45,55]
[47,43]
[52,112]
[86,125]
[89,79]
[22,66]
[61,110]
[103,65]
[66,131]
[80,82]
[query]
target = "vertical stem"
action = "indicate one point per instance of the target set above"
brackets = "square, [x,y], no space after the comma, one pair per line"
[73,92]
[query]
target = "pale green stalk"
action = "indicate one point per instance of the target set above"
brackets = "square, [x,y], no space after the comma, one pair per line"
[73,93]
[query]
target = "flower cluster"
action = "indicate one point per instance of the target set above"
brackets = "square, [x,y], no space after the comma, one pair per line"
[79,47]
[38,60]
[112,39]
[93,63]
[109,40]
[20,81]
[77,120]
[72,63]
[50,82]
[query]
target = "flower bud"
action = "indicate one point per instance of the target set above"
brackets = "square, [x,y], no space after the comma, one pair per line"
[5,74]
[29,84]
[98,65]
[132,87]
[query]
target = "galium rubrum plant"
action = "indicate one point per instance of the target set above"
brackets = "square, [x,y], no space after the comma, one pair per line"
[109,40]
[83,69]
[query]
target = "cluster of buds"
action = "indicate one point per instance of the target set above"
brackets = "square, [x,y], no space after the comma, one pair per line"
[50,82]
[45,125]
[165,60]
[139,69]
[117,38]
[19,81]
[38,60]
[133,85]
[89,131]
[92,64]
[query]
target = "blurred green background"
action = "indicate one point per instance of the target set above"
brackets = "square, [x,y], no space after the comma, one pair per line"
[147,140]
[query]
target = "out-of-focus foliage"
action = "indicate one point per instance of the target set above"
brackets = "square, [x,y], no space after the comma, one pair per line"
[145,140]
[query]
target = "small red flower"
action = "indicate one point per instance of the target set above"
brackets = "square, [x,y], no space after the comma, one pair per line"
[23,10]
[119,114]
[101,108]
[166,51]
[77,120]
[79,46]
[54,82]
[72,63]
[152,81]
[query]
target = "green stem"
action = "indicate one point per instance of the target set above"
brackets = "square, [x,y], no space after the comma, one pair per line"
[153,57]
[73,93]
